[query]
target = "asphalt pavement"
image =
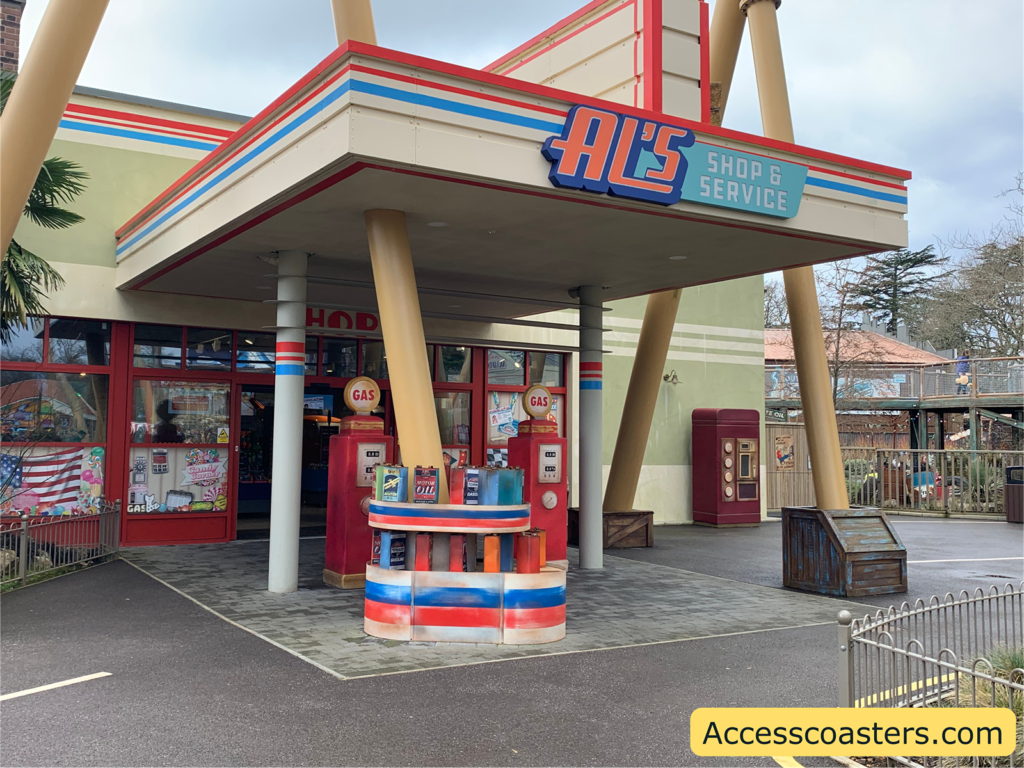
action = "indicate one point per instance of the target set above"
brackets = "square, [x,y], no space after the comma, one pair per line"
[188,688]
[942,555]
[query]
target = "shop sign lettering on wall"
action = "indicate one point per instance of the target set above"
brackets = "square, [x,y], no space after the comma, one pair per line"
[189,404]
[341,319]
[625,156]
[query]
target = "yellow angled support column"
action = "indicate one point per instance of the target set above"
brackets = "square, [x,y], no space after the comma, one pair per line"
[726,34]
[37,102]
[353,20]
[401,324]
[642,396]
[801,294]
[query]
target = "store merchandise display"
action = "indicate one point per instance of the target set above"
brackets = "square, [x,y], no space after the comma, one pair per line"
[424,581]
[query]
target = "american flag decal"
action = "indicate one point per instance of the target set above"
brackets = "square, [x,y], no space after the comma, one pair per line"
[54,477]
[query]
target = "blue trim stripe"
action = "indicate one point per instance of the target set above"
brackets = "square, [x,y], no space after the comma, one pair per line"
[290,370]
[458,107]
[534,598]
[850,188]
[259,149]
[206,146]
[393,594]
[424,510]
[458,597]
[591,384]
[349,84]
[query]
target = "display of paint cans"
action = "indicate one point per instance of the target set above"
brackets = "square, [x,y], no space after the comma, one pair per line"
[527,553]
[424,551]
[471,486]
[391,551]
[424,485]
[489,480]
[391,483]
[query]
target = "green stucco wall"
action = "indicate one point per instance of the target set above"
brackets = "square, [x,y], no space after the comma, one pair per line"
[120,184]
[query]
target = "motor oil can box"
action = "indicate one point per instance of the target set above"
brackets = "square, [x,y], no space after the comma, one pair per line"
[424,485]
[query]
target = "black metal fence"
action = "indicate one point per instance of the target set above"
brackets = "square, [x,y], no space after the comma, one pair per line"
[34,546]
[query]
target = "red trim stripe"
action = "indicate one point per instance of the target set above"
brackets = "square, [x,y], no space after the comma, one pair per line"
[142,127]
[569,36]
[291,346]
[534,618]
[652,55]
[591,366]
[82,109]
[453,523]
[705,64]
[573,17]
[387,613]
[451,616]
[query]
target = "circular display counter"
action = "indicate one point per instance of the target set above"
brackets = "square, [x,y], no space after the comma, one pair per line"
[459,607]
[449,518]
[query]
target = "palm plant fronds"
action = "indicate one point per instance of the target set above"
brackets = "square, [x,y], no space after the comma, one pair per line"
[59,182]
[24,279]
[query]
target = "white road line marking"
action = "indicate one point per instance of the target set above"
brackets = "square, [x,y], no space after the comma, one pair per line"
[966,560]
[787,762]
[51,686]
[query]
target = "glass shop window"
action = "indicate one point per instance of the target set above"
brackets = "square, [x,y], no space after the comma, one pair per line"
[504,412]
[546,369]
[457,365]
[180,412]
[453,417]
[506,366]
[257,351]
[339,358]
[375,360]
[79,342]
[157,346]
[177,479]
[208,350]
[53,407]
[26,344]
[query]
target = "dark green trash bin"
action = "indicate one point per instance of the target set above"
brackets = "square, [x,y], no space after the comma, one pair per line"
[1013,494]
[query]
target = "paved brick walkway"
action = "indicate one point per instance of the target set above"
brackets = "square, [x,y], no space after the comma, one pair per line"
[628,603]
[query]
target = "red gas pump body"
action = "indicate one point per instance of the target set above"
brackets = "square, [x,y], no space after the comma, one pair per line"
[726,467]
[360,444]
[542,455]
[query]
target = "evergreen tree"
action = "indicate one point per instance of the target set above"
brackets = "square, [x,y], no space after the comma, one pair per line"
[893,284]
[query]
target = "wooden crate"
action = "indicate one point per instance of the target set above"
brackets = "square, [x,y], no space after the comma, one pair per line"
[622,530]
[848,553]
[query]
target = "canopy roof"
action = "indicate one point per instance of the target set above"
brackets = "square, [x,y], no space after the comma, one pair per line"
[460,152]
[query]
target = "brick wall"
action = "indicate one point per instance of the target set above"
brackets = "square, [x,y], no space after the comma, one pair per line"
[10,31]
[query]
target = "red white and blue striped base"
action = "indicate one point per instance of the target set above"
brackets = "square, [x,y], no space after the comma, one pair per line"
[449,518]
[437,606]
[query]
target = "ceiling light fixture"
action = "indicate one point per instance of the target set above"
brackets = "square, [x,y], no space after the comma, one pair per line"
[437,223]
[454,306]
[677,258]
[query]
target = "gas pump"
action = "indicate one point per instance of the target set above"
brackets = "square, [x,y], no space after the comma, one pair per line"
[726,461]
[542,455]
[359,445]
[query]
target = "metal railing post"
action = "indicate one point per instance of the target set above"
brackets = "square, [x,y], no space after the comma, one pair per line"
[845,659]
[23,551]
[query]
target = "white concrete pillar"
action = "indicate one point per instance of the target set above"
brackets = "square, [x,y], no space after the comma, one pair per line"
[591,515]
[289,383]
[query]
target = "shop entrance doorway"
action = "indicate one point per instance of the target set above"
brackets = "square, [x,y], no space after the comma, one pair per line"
[323,410]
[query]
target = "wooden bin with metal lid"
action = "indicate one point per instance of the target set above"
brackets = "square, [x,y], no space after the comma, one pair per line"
[847,553]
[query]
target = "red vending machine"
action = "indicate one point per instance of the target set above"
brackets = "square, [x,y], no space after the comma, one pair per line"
[542,455]
[726,460]
[355,450]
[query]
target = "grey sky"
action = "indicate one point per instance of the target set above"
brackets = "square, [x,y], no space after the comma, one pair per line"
[936,87]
